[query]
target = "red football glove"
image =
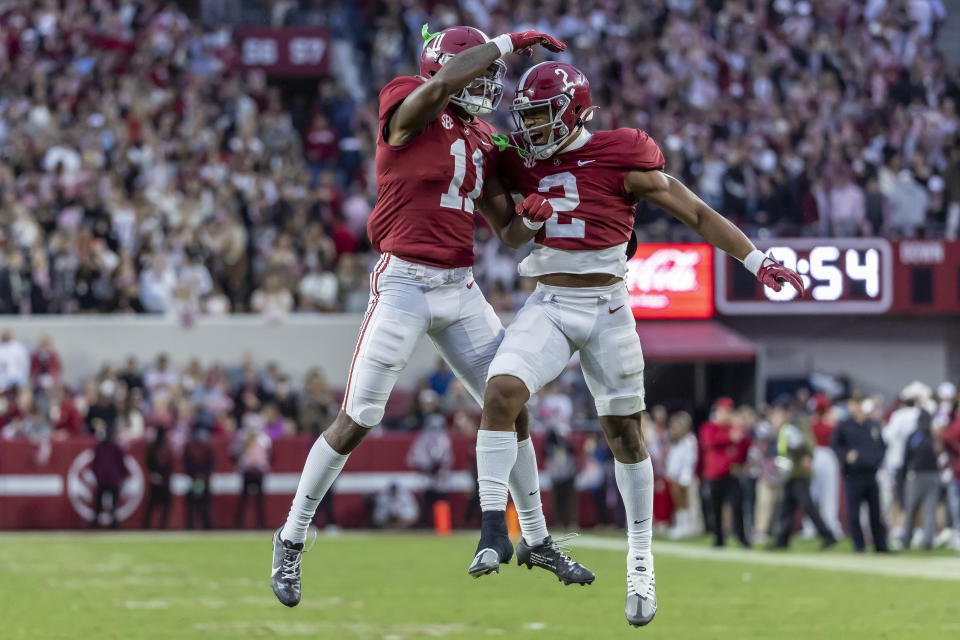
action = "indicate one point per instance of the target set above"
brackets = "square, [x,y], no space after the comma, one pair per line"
[773,274]
[535,208]
[523,41]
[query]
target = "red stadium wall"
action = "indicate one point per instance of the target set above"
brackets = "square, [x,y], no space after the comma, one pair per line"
[57,492]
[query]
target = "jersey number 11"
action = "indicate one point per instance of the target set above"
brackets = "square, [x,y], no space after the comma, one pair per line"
[452,198]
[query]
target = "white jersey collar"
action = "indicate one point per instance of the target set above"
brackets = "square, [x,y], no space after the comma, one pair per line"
[581,139]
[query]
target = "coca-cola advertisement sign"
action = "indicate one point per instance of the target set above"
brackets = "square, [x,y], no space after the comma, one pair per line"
[671,281]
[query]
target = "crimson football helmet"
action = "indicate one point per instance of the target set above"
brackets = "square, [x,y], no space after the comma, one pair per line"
[483,94]
[564,92]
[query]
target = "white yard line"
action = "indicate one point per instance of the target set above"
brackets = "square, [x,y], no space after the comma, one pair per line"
[934,568]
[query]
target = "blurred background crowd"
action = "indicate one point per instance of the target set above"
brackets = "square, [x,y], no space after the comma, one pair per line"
[750,471]
[141,171]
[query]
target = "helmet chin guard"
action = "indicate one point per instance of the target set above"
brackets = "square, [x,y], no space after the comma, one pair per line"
[556,131]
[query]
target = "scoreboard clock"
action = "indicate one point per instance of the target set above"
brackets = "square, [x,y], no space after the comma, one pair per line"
[841,275]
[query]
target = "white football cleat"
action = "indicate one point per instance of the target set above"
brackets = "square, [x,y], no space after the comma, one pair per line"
[641,603]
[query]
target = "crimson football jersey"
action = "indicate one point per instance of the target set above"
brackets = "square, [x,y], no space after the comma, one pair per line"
[427,187]
[593,211]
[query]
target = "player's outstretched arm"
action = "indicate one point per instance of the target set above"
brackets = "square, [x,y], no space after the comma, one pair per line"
[515,225]
[426,102]
[675,198]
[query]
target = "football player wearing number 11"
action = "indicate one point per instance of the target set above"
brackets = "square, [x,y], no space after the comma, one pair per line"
[432,151]
[593,182]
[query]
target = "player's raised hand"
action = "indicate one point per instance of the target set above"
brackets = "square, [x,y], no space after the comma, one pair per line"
[774,275]
[524,41]
[535,210]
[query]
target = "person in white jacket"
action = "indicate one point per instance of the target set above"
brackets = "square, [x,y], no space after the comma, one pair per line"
[681,465]
[901,424]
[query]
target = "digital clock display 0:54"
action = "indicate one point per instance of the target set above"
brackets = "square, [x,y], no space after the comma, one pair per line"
[852,275]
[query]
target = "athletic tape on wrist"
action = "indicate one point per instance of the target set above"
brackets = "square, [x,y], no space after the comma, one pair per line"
[753,261]
[532,225]
[504,43]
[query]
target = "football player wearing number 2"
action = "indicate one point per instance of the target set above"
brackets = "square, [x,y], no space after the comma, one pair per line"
[432,155]
[592,182]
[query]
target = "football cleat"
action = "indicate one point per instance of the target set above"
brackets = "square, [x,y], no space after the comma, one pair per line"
[641,603]
[494,547]
[550,555]
[285,574]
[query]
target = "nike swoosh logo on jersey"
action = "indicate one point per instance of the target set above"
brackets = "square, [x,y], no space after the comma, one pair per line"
[580,163]
[484,142]
[615,310]
[472,282]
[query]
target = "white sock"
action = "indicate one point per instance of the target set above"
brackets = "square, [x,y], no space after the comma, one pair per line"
[635,482]
[496,454]
[525,489]
[322,467]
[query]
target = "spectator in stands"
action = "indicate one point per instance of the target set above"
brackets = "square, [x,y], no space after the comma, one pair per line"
[102,414]
[859,446]
[156,286]
[14,362]
[724,447]
[318,289]
[273,300]
[161,379]
[795,453]
[64,415]
[251,449]
[848,207]
[680,471]
[198,465]
[318,405]
[395,508]
[130,374]
[45,366]
[159,470]
[110,472]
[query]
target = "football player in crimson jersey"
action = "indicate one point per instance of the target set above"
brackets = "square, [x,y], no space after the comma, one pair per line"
[592,182]
[432,156]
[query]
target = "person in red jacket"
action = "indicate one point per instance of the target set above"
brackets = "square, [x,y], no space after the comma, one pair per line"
[951,442]
[724,446]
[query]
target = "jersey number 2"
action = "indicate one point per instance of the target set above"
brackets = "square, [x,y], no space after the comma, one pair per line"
[563,226]
[452,198]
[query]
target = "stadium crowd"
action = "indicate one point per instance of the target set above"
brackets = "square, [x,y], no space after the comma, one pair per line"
[901,458]
[141,171]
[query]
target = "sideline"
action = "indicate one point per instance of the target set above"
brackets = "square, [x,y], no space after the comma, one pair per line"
[934,568]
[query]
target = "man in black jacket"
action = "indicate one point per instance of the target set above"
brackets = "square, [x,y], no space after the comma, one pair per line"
[860,448]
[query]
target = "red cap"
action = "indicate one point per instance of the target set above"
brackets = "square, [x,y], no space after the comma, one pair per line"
[723,403]
[821,402]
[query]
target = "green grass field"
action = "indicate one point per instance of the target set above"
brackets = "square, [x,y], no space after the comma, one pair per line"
[393,587]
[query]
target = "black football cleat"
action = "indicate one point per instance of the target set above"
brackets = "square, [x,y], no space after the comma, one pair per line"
[285,575]
[494,547]
[551,556]
[641,604]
